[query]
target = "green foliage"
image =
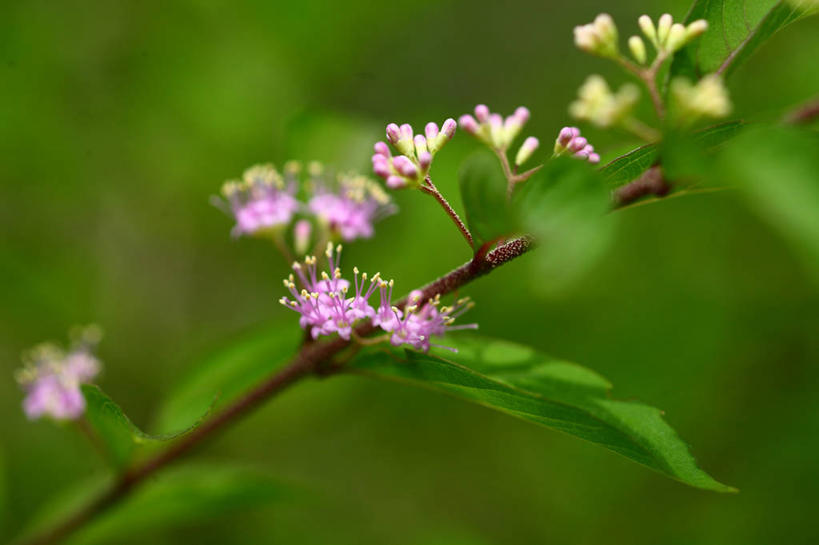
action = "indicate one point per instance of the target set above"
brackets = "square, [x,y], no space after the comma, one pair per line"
[736,28]
[564,206]
[177,496]
[521,382]
[483,191]
[3,492]
[227,374]
[118,435]
[631,165]
[778,171]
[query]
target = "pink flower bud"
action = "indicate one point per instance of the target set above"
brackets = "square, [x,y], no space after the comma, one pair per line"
[420,144]
[393,133]
[382,149]
[566,135]
[405,167]
[468,123]
[406,132]
[482,113]
[301,236]
[594,158]
[522,114]
[449,128]
[396,182]
[496,121]
[424,160]
[381,168]
[431,130]
[415,297]
[577,143]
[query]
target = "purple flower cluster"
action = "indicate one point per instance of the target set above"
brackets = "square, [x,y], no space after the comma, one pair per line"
[261,201]
[327,303]
[570,141]
[52,378]
[416,151]
[352,206]
[264,203]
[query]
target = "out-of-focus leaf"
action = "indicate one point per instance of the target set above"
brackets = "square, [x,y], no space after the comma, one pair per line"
[564,206]
[3,493]
[118,435]
[176,496]
[630,166]
[778,171]
[483,192]
[181,496]
[227,374]
[736,28]
[524,383]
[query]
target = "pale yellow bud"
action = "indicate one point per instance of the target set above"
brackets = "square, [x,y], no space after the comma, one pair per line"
[676,37]
[637,48]
[663,28]
[707,98]
[647,26]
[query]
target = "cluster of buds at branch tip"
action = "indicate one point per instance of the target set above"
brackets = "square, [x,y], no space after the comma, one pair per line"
[416,151]
[493,129]
[569,140]
[598,37]
[597,103]
[667,37]
[706,98]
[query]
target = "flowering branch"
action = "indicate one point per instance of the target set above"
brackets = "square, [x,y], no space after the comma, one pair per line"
[313,359]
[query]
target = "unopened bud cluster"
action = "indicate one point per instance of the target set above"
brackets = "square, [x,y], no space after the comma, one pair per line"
[415,153]
[597,104]
[667,37]
[598,37]
[265,203]
[569,141]
[51,377]
[498,132]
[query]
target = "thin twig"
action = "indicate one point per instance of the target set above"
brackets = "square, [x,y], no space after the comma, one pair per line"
[429,188]
[311,359]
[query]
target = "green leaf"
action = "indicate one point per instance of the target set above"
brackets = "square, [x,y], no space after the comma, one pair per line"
[630,166]
[228,373]
[736,28]
[118,435]
[177,496]
[521,382]
[778,172]
[483,192]
[564,205]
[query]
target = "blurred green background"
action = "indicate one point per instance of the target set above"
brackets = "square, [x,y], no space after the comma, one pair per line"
[118,120]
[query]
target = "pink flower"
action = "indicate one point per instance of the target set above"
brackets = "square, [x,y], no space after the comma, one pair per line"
[422,321]
[352,207]
[260,202]
[52,378]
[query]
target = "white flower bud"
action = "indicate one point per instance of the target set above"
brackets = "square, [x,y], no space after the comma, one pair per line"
[526,150]
[695,29]
[647,26]
[637,48]
[676,37]
[663,28]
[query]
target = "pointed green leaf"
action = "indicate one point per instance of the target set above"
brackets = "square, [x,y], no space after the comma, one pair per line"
[118,436]
[736,28]
[630,166]
[526,384]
